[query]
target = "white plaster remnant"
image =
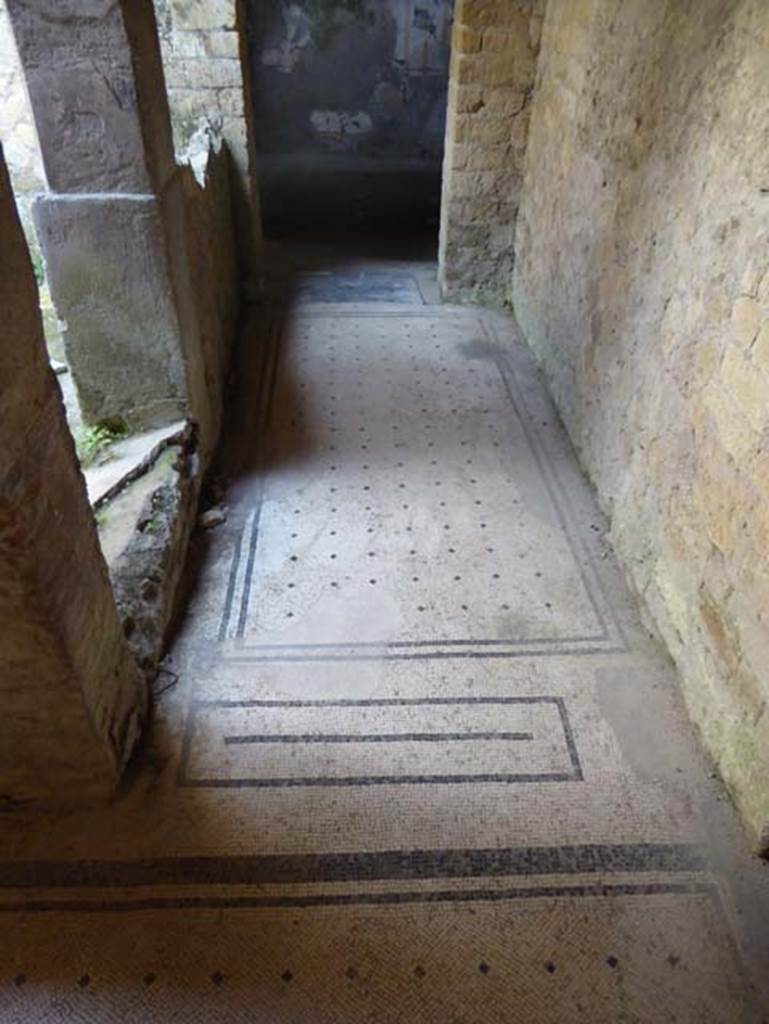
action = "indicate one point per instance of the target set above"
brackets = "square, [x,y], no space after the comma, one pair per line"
[287,54]
[341,122]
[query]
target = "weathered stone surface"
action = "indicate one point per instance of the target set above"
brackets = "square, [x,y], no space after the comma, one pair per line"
[212,517]
[145,343]
[205,14]
[640,281]
[204,73]
[213,43]
[72,697]
[145,533]
[19,137]
[110,280]
[211,260]
[208,78]
[144,272]
[492,73]
[91,101]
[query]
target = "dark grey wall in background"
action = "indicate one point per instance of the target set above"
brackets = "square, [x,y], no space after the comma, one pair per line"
[350,105]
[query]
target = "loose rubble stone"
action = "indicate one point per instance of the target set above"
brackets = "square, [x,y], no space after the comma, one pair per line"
[212,517]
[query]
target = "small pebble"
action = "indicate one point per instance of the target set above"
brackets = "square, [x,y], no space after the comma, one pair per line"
[212,517]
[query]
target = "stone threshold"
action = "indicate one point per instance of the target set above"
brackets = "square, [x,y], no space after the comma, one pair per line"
[129,459]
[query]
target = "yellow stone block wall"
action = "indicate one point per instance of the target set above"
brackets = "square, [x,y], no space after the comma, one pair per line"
[642,283]
[493,61]
[205,61]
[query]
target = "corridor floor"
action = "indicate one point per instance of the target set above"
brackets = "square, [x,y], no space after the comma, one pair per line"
[422,762]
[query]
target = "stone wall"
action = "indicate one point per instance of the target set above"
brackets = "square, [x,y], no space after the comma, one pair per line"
[201,44]
[124,226]
[214,284]
[494,52]
[642,283]
[207,78]
[73,699]
[17,129]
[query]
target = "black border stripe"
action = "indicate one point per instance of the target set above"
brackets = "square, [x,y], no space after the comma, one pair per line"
[269,354]
[394,655]
[383,645]
[360,781]
[515,648]
[376,702]
[393,865]
[240,782]
[230,591]
[567,892]
[378,737]
[264,440]
[559,495]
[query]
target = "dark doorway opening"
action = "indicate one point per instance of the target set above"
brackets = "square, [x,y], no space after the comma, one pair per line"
[350,112]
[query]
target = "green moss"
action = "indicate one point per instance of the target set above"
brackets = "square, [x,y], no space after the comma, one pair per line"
[38,266]
[93,443]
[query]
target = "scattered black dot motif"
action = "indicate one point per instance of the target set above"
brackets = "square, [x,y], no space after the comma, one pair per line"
[430,407]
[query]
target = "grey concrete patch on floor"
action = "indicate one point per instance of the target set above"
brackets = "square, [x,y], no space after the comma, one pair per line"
[351,809]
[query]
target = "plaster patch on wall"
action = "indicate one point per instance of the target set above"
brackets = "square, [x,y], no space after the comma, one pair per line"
[334,126]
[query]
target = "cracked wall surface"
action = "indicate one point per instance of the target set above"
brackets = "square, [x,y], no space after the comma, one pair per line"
[642,283]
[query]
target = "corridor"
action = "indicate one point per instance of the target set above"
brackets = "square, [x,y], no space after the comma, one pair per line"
[414,756]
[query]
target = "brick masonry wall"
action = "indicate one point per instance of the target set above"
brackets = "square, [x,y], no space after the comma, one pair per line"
[642,283]
[206,70]
[493,62]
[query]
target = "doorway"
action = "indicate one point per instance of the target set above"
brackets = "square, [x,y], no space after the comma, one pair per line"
[350,113]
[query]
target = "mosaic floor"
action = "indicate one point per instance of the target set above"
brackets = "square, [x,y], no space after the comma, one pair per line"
[422,761]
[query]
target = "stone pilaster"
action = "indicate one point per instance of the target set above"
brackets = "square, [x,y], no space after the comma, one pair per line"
[73,699]
[95,81]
